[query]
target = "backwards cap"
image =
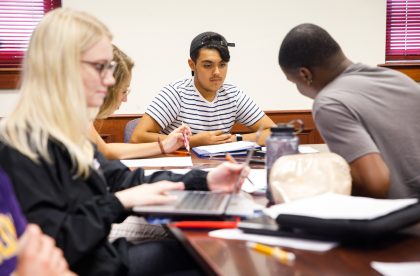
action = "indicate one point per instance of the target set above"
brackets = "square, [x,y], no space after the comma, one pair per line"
[209,39]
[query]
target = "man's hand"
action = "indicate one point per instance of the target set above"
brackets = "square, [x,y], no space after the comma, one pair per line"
[38,255]
[225,177]
[149,194]
[211,138]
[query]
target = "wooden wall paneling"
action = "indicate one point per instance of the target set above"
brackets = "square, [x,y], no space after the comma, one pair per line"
[112,128]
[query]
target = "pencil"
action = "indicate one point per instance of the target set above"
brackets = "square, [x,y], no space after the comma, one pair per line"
[230,158]
[278,253]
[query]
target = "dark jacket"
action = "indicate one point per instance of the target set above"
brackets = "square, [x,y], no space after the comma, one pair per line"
[78,212]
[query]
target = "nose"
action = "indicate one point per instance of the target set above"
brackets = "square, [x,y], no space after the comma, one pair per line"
[216,70]
[109,79]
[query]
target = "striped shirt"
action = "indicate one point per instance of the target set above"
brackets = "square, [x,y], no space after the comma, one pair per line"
[180,102]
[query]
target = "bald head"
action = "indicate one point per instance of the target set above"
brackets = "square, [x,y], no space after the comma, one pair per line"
[307,45]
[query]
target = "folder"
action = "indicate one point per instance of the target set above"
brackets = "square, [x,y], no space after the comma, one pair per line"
[234,148]
[404,213]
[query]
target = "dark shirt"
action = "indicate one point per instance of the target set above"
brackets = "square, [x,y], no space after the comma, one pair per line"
[78,212]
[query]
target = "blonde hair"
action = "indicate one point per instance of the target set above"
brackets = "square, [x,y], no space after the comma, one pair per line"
[52,105]
[122,72]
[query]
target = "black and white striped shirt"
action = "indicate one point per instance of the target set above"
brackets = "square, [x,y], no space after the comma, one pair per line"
[180,102]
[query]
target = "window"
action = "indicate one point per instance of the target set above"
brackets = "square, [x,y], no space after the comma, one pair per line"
[402,30]
[18,19]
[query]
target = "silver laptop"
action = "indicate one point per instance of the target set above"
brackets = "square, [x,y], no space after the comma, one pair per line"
[194,203]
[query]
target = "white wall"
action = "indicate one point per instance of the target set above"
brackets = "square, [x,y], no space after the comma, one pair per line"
[157,35]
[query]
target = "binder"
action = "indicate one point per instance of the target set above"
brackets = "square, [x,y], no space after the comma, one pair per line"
[235,148]
[351,229]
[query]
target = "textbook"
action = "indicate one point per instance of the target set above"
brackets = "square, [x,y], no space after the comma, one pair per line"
[234,148]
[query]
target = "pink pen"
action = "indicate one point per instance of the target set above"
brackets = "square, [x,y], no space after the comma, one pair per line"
[186,140]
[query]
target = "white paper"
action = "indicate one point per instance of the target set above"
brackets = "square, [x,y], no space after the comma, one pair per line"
[226,147]
[304,244]
[159,162]
[307,149]
[397,269]
[302,149]
[335,206]
[259,180]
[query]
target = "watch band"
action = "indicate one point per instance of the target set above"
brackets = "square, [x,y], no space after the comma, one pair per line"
[239,137]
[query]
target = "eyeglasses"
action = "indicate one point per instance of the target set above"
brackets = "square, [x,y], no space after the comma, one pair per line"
[102,68]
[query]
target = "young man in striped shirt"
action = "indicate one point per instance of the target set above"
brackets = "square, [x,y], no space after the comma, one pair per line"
[204,102]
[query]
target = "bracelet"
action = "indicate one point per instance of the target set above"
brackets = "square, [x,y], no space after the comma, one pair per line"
[160,145]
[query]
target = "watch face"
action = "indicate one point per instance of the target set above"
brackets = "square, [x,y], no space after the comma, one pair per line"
[238,137]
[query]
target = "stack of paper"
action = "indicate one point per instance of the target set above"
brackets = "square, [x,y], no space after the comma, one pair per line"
[234,148]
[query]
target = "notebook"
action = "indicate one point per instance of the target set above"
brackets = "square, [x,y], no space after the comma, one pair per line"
[194,203]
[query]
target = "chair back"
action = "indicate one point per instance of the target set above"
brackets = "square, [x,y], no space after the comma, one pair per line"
[129,128]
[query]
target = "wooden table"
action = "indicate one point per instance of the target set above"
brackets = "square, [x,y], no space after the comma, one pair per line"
[231,257]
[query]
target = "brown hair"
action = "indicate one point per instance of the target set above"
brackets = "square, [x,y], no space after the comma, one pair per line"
[123,70]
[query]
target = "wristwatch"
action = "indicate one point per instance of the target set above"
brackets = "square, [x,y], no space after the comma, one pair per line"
[239,137]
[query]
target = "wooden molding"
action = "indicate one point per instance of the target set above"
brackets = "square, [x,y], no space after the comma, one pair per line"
[112,128]
[9,78]
[411,69]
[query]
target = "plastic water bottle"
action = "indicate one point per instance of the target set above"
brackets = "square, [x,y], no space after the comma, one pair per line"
[282,141]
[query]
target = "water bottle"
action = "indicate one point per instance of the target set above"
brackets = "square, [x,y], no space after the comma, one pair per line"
[282,141]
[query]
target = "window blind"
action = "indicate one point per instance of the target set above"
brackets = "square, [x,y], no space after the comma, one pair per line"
[403,30]
[18,18]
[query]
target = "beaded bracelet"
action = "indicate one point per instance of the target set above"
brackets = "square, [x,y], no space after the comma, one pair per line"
[160,145]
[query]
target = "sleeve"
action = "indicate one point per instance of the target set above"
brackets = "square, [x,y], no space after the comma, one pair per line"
[119,177]
[343,133]
[247,111]
[52,198]
[165,107]
[9,202]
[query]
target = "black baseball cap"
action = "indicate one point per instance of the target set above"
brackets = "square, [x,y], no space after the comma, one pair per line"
[209,39]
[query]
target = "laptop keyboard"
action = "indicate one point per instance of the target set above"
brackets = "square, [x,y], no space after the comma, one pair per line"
[201,201]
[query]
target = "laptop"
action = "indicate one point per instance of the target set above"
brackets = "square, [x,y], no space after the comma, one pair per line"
[195,203]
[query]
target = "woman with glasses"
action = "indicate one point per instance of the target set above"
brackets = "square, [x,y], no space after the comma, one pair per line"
[117,94]
[61,182]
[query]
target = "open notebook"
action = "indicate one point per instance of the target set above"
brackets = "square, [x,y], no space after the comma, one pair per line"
[194,203]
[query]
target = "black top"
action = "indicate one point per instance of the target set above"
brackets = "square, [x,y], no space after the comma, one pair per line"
[77,212]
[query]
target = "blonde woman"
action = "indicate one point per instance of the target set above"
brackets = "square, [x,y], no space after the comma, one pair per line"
[117,94]
[62,184]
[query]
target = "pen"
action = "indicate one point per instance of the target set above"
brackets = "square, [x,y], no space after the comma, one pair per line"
[232,160]
[186,141]
[205,224]
[278,253]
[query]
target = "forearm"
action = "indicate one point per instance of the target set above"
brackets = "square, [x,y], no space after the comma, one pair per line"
[127,150]
[146,137]
[253,136]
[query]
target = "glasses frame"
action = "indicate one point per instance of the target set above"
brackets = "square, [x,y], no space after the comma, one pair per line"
[102,68]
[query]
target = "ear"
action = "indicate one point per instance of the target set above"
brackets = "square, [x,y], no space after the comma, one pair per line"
[191,64]
[305,75]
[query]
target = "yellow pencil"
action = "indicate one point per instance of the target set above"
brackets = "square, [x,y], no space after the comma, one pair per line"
[278,253]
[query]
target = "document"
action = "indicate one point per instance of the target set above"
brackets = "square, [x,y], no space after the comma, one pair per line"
[304,244]
[335,206]
[159,162]
[235,147]
[397,269]
[259,181]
